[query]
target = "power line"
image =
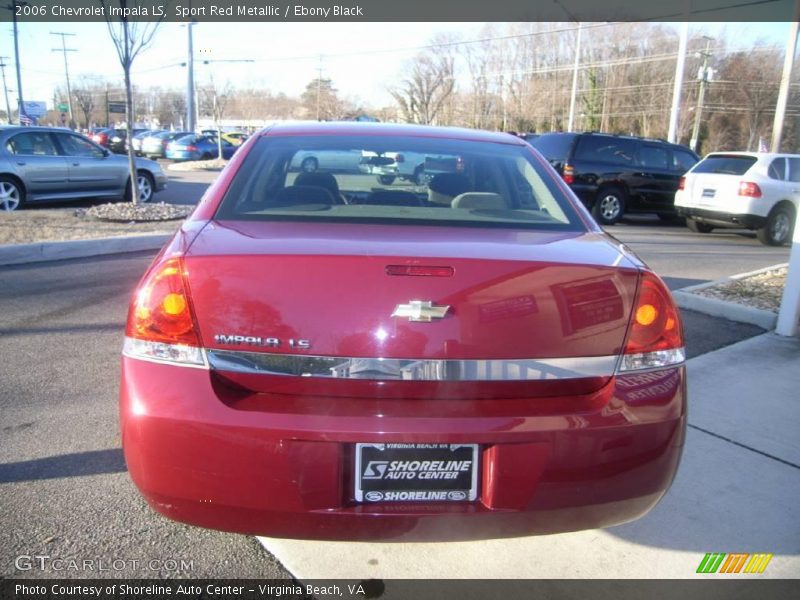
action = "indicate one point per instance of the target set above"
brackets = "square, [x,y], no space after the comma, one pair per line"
[64,51]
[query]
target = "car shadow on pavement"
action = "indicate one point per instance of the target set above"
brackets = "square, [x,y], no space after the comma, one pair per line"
[93,462]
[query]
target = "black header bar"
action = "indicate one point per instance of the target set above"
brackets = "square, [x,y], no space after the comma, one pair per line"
[400,10]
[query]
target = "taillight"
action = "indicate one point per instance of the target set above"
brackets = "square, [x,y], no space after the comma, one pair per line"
[681,183]
[569,174]
[655,335]
[160,322]
[191,148]
[750,189]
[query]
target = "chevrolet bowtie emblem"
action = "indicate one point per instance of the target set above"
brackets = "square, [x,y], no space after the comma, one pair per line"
[418,310]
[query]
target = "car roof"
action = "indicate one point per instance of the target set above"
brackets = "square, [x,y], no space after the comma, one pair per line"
[310,128]
[750,154]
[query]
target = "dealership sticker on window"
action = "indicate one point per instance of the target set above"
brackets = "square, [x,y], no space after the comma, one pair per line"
[405,472]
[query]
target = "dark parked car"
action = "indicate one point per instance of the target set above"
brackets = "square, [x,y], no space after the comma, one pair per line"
[315,355]
[616,174]
[47,163]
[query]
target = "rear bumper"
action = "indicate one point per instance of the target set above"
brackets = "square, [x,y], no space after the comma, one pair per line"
[200,453]
[722,219]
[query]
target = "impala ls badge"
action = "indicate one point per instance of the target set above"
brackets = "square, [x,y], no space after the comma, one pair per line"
[419,310]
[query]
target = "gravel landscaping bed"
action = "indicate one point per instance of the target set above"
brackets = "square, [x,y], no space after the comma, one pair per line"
[199,165]
[762,290]
[105,220]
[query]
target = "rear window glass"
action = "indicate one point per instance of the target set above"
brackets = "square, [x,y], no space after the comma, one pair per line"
[682,161]
[553,146]
[606,149]
[725,164]
[397,180]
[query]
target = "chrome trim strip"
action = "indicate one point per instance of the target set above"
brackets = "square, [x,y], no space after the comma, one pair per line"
[410,369]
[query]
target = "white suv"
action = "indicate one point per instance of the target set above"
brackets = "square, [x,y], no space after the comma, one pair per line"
[753,190]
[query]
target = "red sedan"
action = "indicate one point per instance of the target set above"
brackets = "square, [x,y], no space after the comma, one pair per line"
[317,355]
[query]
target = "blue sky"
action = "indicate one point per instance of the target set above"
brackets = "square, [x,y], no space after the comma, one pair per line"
[362,59]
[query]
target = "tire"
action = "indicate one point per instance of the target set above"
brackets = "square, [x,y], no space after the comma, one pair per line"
[309,165]
[12,194]
[386,179]
[419,175]
[698,227]
[779,227]
[609,205]
[146,187]
[206,156]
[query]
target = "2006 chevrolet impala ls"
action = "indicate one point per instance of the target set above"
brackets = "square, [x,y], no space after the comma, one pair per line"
[466,355]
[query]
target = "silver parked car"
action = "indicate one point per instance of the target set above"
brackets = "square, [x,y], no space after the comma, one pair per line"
[46,163]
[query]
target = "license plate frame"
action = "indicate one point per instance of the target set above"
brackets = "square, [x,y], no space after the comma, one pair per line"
[444,479]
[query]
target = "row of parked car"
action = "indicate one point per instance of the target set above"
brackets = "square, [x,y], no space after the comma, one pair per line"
[615,174]
[174,145]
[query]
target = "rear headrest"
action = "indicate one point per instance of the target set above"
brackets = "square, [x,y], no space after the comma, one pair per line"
[302,194]
[480,200]
[323,180]
[446,186]
[450,184]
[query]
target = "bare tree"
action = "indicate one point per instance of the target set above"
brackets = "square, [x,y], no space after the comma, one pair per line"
[130,37]
[321,100]
[87,93]
[215,100]
[424,92]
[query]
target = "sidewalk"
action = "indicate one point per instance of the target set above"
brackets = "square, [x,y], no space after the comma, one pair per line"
[737,490]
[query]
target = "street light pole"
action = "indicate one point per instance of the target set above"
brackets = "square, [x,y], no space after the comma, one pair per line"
[20,101]
[703,76]
[190,108]
[574,81]
[64,49]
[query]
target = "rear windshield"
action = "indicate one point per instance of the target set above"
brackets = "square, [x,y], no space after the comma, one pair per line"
[608,149]
[725,164]
[397,180]
[553,146]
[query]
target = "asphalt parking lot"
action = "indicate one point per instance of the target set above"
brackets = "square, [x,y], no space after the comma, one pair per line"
[66,493]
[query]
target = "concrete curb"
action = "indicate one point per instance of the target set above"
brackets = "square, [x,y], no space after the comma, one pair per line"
[18,254]
[727,310]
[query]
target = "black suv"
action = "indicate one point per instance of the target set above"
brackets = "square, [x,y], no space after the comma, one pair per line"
[615,174]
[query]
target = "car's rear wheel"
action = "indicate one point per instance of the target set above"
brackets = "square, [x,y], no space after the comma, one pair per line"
[146,186]
[206,156]
[419,175]
[12,194]
[310,164]
[386,179]
[609,205]
[698,227]
[779,227]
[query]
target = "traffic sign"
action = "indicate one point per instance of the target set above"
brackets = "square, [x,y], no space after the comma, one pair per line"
[116,107]
[62,107]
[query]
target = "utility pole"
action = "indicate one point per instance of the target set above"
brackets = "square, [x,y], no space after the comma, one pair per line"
[190,103]
[64,50]
[704,75]
[108,117]
[574,81]
[783,94]
[5,88]
[20,102]
[672,135]
[319,84]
